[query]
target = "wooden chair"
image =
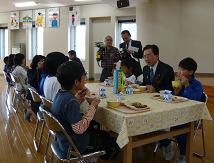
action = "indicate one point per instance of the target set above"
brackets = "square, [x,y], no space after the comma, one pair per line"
[199,125]
[54,126]
[40,119]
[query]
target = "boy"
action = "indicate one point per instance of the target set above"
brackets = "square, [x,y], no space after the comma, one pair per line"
[190,88]
[66,108]
[128,71]
[73,56]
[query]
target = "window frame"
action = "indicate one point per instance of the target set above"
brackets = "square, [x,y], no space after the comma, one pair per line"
[72,37]
[3,42]
[121,21]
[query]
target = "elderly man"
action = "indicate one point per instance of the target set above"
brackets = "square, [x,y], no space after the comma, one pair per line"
[156,74]
[110,57]
[132,49]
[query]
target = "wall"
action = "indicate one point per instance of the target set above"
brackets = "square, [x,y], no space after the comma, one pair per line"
[180,28]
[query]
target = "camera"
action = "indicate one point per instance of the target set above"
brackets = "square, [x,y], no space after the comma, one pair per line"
[101,50]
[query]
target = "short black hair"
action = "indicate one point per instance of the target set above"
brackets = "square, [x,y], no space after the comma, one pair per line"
[68,72]
[126,31]
[36,59]
[53,61]
[153,47]
[128,63]
[188,64]
[72,52]
[6,59]
[18,58]
[11,60]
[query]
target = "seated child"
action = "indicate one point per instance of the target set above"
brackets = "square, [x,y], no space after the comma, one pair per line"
[190,88]
[7,72]
[66,108]
[127,66]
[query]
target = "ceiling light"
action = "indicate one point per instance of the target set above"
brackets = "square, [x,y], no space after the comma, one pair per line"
[86,0]
[26,4]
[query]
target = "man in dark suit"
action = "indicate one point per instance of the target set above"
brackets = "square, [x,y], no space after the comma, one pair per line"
[131,49]
[156,74]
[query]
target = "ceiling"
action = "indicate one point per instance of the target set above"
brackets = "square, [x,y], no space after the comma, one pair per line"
[8,5]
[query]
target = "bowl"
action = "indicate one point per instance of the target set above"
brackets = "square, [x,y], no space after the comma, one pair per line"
[113,104]
[143,88]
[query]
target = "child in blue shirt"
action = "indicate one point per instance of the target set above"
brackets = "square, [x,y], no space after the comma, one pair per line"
[190,88]
[66,108]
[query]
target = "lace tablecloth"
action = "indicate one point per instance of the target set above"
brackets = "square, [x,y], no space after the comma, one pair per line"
[162,115]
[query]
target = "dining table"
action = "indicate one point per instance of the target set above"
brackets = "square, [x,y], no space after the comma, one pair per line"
[158,122]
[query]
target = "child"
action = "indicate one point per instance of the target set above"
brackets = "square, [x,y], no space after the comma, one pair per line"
[127,66]
[190,88]
[50,84]
[20,73]
[73,56]
[66,108]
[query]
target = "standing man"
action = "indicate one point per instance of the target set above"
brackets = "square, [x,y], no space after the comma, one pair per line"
[156,74]
[110,57]
[131,49]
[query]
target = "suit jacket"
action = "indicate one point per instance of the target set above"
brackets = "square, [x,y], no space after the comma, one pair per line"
[137,71]
[163,78]
[134,43]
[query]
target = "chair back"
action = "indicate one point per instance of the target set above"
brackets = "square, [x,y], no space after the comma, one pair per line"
[14,78]
[55,126]
[46,102]
[204,98]
[36,97]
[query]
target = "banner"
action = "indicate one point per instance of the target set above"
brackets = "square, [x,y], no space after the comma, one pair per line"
[39,18]
[74,15]
[53,17]
[14,20]
[26,19]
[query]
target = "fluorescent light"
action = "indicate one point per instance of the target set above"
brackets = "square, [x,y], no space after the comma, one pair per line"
[86,0]
[26,4]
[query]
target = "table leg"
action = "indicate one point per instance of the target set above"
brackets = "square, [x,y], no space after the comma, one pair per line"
[189,144]
[127,152]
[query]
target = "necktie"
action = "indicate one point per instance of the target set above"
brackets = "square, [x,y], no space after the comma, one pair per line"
[151,75]
[127,46]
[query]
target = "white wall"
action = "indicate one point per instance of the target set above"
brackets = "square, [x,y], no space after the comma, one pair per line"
[181,28]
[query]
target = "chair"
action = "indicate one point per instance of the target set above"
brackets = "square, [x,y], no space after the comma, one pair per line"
[73,154]
[48,105]
[40,119]
[15,94]
[200,125]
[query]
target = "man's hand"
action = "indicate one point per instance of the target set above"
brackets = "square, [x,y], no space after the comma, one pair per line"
[130,51]
[150,89]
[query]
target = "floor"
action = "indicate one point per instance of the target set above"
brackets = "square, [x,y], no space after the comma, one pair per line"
[16,137]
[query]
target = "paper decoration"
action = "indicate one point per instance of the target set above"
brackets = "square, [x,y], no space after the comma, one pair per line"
[14,20]
[74,15]
[53,17]
[39,18]
[26,19]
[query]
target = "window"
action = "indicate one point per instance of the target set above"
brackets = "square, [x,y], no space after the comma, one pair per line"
[3,43]
[128,24]
[35,42]
[77,39]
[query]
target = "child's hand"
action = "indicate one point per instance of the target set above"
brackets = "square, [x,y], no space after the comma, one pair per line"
[184,81]
[177,90]
[95,102]
[81,95]
[150,89]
